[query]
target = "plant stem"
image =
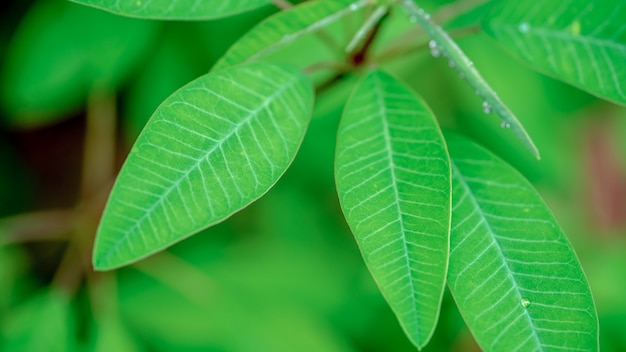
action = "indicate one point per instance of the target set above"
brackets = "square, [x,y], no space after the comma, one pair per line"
[48,225]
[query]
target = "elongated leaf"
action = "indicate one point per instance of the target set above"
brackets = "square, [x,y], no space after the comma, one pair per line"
[286,27]
[578,41]
[176,9]
[515,277]
[210,149]
[393,180]
[442,44]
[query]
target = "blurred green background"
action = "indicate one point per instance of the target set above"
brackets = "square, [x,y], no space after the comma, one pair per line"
[285,274]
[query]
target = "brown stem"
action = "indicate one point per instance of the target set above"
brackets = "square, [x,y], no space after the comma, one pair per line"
[48,225]
[99,150]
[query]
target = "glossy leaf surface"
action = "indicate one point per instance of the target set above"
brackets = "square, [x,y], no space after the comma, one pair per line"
[393,180]
[578,41]
[513,273]
[287,27]
[210,149]
[176,9]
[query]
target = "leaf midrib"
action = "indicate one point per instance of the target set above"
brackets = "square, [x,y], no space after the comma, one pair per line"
[495,240]
[388,142]
[253,113]
[563,35]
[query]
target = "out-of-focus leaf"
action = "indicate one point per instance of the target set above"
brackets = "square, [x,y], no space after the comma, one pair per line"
[393,180]
[176,9]
[258,293]
[112,335]
[287,27]
[60,52]
[578,41]
[170,67]
[210,149]
[44,323]
[513,273]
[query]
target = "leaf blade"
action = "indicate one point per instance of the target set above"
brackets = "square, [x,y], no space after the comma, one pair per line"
[209,150]
[393,180]
[515,277]
[580,42]
[175,9]
[285,27]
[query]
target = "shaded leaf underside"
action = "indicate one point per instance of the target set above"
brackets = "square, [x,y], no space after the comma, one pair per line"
[210,149]
[515,277]
[393,180]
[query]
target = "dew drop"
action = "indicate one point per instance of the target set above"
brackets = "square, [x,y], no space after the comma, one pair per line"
[427,16]
[434,49]
[505,124]
[486,107]
[451,63]
[524,27]
[354,6]
[413,19]
[525,302]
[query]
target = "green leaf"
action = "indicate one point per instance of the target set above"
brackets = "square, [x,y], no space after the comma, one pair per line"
[176,9]
[515,277]
[209,150]
[393,180]
[287,27]
[578,41]
[442,44]
[43,323]
[62,51]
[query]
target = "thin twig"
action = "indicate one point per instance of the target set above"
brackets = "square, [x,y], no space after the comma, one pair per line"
[48,225]
[99,149]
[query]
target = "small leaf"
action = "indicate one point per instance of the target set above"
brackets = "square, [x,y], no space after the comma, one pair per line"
[393,180]
[287,27]
[514,276]
[578,41]
[209,150]
[176,9]
[442,44]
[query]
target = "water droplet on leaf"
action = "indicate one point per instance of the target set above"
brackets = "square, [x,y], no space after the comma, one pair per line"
[451,63]
[524,27]
[354,6]
[486,107]
[505,124]
[525,302]
[434,50]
